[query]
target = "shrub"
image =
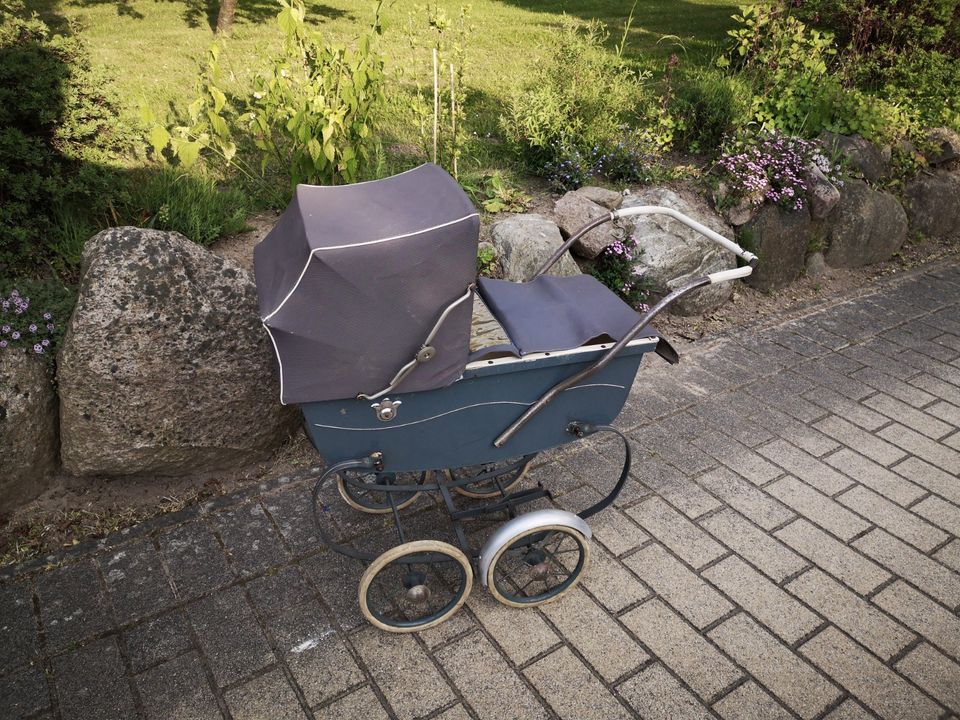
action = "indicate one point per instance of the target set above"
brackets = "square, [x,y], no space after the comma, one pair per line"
[33,316]
[708,106]
[58,130]
[312,114]
[771,167]
[618,268]
[583,104]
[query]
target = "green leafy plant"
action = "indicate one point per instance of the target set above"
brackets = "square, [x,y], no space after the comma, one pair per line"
[312,114]
[33,316]
[618,267]
[500,196]
[486,261]
[709,106]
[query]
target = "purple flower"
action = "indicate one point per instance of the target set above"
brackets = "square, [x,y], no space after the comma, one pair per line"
[3,343]
[47,316]
[15,335]
[38,348]
[50,327]
[45,342]
[32,328]
[5,329]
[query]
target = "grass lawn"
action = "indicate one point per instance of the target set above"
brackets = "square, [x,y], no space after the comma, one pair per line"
[153,46]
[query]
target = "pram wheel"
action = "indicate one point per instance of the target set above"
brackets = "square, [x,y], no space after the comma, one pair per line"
[350,482]
[508,472]
[415,586]
[538,565]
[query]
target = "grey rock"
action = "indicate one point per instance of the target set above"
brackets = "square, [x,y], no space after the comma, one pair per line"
[824,196]
[609,199]
[674,254]
[28,427]
[945,146]
[741,212]
[866,159]
[817,266]
[572,212]
[867,227]
[933,205]
[525,242]
[780,238]
[165,368]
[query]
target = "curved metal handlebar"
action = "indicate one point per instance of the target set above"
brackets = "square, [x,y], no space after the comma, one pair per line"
[730,245]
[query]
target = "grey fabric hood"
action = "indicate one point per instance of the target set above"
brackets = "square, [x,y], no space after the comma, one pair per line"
[353,278]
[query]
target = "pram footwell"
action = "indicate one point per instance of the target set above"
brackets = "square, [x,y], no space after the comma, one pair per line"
[455,426]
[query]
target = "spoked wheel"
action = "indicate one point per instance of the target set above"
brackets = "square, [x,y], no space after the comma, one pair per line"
[538,565]
[509,473]
[415,586]
[376,501]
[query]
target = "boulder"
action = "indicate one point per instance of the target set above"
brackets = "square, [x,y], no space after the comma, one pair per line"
[867,227]
[932,203]
[944,146]
[869,161]
[741,212]
[28,427]
[817,266]
[824,196]
[524,242]
[165,368]
[673,254]
[779,238]
[572,212]
[609,199]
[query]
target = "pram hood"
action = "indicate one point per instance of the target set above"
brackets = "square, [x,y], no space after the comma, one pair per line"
[353,278]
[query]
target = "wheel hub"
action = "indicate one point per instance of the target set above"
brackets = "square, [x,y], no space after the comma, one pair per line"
[415,583]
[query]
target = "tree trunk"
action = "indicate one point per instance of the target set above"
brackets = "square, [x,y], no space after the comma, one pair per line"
[228,9]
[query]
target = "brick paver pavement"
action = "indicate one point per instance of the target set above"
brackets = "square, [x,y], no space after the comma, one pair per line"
[787,547]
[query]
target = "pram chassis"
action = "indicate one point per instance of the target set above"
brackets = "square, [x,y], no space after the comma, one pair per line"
[487,434]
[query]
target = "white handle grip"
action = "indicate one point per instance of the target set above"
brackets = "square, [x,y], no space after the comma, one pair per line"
[728,275]
[730,245]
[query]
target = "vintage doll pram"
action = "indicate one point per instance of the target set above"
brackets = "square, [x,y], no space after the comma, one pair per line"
[366,291]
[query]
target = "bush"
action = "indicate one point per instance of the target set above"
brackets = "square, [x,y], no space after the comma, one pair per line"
[618,268]
[33,316]
[582,105]
[708,106]
[58,130]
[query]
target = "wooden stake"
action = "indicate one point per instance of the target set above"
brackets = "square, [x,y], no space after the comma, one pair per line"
[453,121]
[436,103]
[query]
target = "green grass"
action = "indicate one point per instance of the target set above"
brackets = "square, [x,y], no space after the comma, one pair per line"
[153,46]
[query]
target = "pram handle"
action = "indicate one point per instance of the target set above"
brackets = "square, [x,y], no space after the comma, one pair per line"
[576,379]
[746,256]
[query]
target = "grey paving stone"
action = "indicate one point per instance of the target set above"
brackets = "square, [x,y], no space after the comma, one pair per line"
[871,682]
[925,617]
[18,631]
[750,702]
[849,710]
[266,696]
[905,392]
[277,591]
[928,575]
[764,551]
[773,607]
[91,683]
[805,466]
[789,677]
[893,518]
[158,639]
[849,612]
[596,635]
[673,486]
[750,501]
[933,479]
[949,414]
[676,532]
[738,458]
[693,598]
[846,385]
[72,607]
[229,635]
[609,581]
[818,508]
[455,713]
[662,442]
[292,511]
[361,704]
[251,542]
[935,673]
[839,560]
[682,648]
[938,388]
[459,624]
[855,412]
[949,555]
[195,559]
[923,447]
[521,634]
[338,579]
[411,683]
[876,355]
[136,581]
[803,436]
[571,690]
[178,690]
[316,655]
[656,695]
[24,692]
[785,392]
[860,440]
[866,472]
[611,527]
[920,421]
[726,413]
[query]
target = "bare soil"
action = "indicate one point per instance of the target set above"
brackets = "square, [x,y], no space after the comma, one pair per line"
[72,509]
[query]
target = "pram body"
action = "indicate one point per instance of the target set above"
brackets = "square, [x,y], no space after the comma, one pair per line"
[366,292]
